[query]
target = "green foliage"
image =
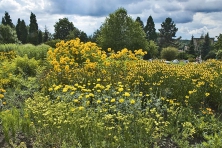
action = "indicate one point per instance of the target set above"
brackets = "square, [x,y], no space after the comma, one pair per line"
[150,29]
[7,35]
[52,43]
[218,44]
[63,28]
[169,53]
[167,32]
[140,22]
[6,20]
[219,54]
[191,49]
[152,50]
[121,31]
[33,30]
[205,48]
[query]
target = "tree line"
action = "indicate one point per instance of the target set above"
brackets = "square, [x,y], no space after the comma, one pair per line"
[118,31]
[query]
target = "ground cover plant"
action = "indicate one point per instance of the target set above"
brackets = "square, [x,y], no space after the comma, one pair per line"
[82,96]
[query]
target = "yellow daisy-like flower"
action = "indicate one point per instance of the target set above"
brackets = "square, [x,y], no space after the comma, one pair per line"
[81,108]
[1,96]
[98,101]
[112,100]
[187,97]
[207,94]
[120,89]
[132,101]
[126,94]
[121,100]
[109,49]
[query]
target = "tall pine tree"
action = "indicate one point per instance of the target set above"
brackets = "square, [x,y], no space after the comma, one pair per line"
[17,27]
[191,47]
[167,33]
[205,49]
[6,20]
[150,29]
[24,32]
[33,30]
[46,35]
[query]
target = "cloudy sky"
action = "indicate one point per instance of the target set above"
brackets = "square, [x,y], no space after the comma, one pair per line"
[192,17]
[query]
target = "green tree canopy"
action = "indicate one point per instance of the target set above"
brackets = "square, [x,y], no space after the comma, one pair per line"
[6,20]
[63,28]
[169,53]
[140,22]
[121,31]
[33,30]
[23,32]
[17,28]
[7,35]
[150,29]
[46,35]
[191,49]
[206,46]
[218,44]
[76,33]
[167,33]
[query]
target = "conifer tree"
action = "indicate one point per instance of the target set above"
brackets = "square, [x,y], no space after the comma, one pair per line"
[150,29]
[140,22]
[17,28]
[33,30]
[6,20]
[191,47]
[24,32]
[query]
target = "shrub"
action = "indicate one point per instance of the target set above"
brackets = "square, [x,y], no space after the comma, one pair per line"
[169,53]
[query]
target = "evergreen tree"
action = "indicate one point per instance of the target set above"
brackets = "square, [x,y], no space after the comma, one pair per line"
[6,20]
[24,32]
[33,30]
[167,32]
[40,39]
[18,32]
[191,47]
[46,35]
[150,29]
[205,49]
[140,22]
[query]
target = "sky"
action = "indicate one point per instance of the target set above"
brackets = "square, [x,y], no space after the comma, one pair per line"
[192,17]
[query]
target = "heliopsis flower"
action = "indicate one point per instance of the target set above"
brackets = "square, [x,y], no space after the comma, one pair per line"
[207,94]
[1,96]
[121,100]
[132,101]
[81,108]
[120,89]
[112,100]
[126,94]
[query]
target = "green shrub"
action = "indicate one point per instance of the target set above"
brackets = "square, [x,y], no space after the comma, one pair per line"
[169,53]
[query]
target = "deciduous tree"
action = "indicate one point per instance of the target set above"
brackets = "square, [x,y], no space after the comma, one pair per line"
[120,31]
[63,28]
[7,34]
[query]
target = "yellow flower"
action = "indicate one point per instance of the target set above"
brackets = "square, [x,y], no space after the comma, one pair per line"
[126,94]
[99,101]
[120,89]
[207,94]
[4,103]
[109,49]
[1,96]
[187,97]
[132,101]
[121,100]
[50,89]
[76,100]
[98,80]
[81,108]
[112,100]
